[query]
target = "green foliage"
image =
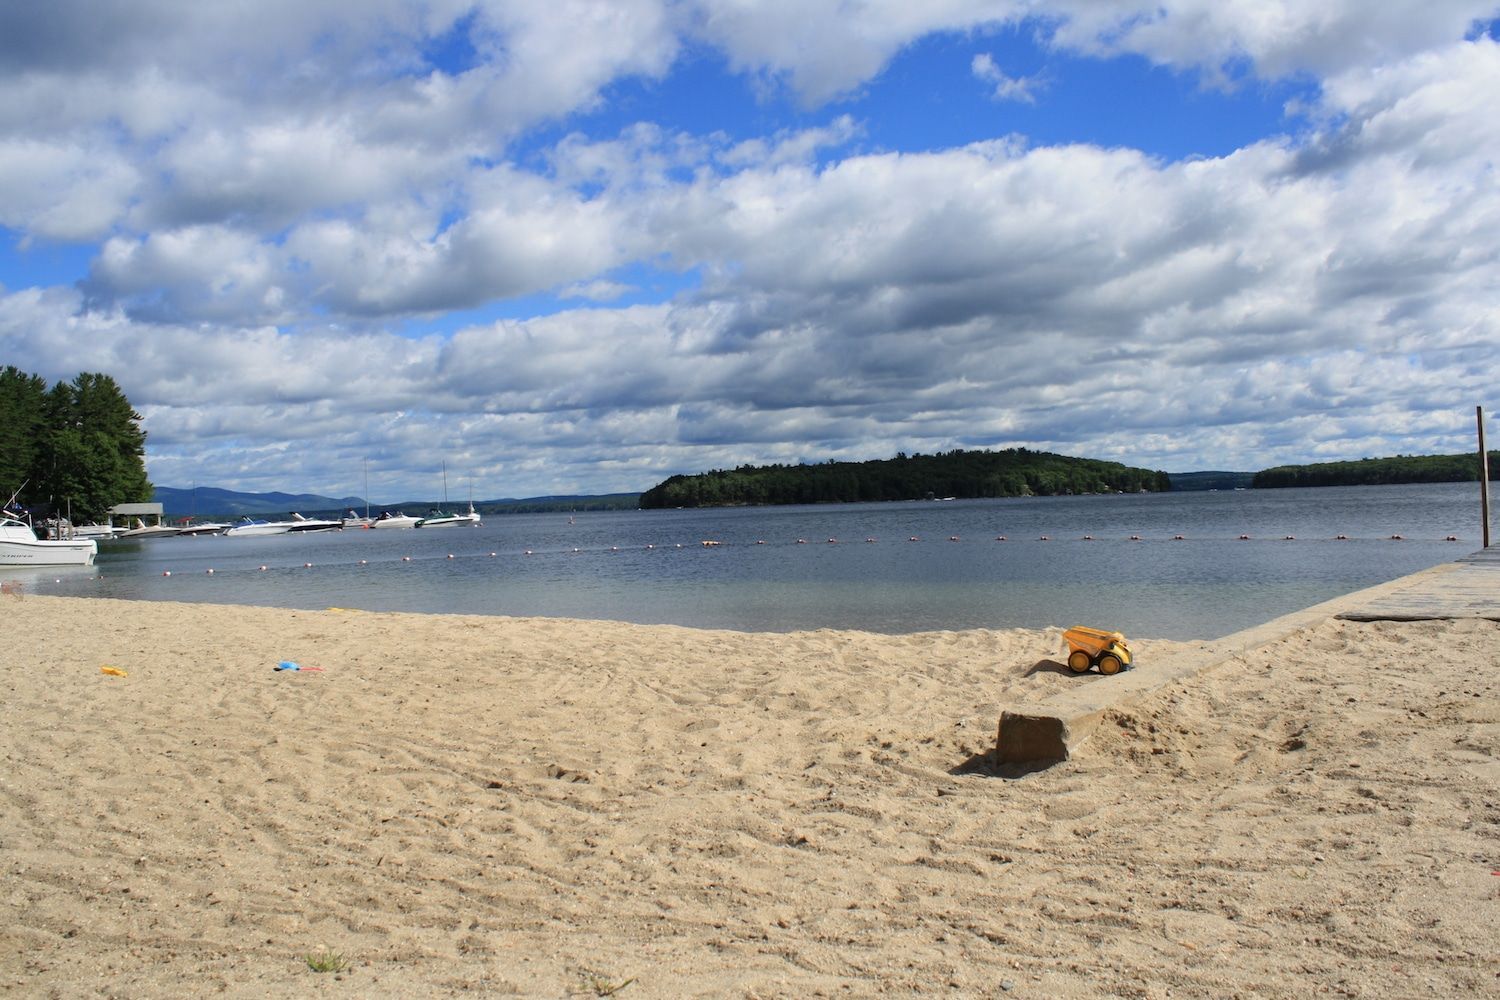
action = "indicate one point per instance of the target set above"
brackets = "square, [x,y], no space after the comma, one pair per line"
[23,401]
[77,446]
[1379,471]
[1186,481]
[959,473]
[575,504]
[326,960]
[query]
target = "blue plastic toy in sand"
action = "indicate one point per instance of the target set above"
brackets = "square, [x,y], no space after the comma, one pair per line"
[287,665]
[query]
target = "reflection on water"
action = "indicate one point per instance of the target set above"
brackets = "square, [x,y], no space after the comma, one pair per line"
[884,567]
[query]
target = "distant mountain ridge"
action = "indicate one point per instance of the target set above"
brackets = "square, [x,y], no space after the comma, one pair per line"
[209,501]
[212,502]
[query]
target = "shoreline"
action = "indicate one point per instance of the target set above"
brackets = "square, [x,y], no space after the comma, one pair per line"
[540,807]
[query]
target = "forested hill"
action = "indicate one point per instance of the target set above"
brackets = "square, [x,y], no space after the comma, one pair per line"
[1379,471]
[965,474]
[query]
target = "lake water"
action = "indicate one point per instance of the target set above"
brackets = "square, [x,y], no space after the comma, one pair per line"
[928,566]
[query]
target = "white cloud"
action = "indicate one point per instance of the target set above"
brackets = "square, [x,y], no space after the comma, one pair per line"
[1277,37]
[826,49]
[63,191]
[597,291]
[269,209]
[1005,88]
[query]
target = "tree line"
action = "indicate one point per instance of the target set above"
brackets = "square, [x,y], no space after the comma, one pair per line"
[1379,471]
[77,447]
[961,474]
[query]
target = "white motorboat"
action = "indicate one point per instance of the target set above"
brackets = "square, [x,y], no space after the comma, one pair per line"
[250,526]
[442,520]
[61,527]
[144,530]
[19,546]
[353,520]
[202,528]
[396,520]
[300,523]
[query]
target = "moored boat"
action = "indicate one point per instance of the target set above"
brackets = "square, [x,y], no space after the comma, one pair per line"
[19,546]
[144,530]
[439,519]
[300,523]
[251,526]
[387,519]
[202,528]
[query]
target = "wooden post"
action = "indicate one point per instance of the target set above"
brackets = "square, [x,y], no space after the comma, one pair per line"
[1484,478]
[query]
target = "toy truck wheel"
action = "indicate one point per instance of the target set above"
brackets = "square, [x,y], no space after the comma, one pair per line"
[1109,663]
[1078,661]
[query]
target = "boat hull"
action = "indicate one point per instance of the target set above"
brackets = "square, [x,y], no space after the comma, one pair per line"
[263,528]
[78,552]
[453,521]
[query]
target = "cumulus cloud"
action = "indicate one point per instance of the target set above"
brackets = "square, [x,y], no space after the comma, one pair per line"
[1274,37]
[280,212]
[1005,87]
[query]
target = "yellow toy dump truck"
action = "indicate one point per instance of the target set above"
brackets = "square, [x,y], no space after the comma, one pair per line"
[1094,647]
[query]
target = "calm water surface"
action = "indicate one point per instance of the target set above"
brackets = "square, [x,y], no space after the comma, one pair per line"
[933,565]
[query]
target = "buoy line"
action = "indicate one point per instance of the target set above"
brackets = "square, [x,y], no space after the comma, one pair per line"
[716,543]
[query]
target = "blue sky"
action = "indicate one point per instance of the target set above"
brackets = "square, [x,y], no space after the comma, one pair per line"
[578,247]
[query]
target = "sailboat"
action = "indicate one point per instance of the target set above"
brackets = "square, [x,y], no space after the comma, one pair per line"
[442,519]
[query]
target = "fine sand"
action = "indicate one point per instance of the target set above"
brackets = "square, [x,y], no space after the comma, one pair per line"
[554,808]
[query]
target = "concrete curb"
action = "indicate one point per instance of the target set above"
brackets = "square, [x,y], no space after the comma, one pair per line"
[1049,731]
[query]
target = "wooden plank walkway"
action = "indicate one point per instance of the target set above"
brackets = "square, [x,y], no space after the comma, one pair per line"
[1041,733]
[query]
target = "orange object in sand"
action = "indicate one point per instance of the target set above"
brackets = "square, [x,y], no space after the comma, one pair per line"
[1095,647]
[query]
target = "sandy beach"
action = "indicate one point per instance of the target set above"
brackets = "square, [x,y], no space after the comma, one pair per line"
[549,808]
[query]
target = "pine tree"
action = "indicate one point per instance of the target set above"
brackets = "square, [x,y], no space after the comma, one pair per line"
[22,414]
[78,447]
